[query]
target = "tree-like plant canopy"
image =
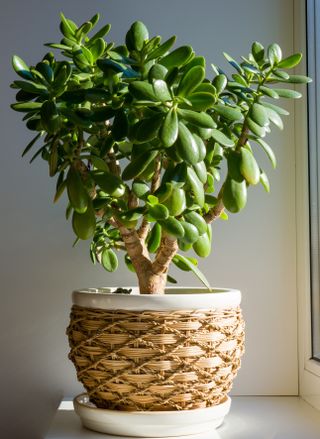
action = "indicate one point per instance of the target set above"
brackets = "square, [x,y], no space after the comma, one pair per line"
[136,135]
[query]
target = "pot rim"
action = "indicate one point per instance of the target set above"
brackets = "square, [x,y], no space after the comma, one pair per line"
[175,298]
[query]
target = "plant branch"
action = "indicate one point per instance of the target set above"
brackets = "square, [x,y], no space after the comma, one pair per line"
[168,248]
[155,183]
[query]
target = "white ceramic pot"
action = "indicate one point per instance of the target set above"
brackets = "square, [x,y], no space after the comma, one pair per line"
[155,423]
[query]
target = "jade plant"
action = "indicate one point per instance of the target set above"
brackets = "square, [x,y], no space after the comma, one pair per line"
[148,149]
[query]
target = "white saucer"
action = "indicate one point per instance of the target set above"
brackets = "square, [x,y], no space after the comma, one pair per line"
[150,424]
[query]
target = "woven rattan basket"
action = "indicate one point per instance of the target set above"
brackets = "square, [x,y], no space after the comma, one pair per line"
[155,359]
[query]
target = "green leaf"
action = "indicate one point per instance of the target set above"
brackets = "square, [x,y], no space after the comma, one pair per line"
[233,63]
[202,119]
[298,79]
[21,68]
[30,145]
[249,167]
[194,269]
[100,34]
[220,82]
[109,260]
[234,195]
[221,138]
[264,181]
[230,113]
[201,101]
[187,146]
[177,57]
[158,211]
[31,87]
[138,165]
[154,238]
[255,128]
[84,224]
[176,202]
[26,107]
[173,227]
[268,151]
[142,90]
[269,92]
[197,220]
[97,48]
[203,245]
[110,183]
[190,80]
[257,50]
[171,279]
[138,35]
[274,54]
[201,171]
[67,27]
[276,108]
[196,187]
[169,129]
[162,49]
[274,117]
[287,93]
[290,61]
[191,233]
[140,189]
[147,129]
[77,193]
[161,90]
[259,115]
[157,71]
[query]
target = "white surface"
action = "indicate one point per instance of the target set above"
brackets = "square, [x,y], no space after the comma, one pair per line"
[146,424]
[175,299]
[249,418]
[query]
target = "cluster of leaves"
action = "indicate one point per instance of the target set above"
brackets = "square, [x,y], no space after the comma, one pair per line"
[137,133]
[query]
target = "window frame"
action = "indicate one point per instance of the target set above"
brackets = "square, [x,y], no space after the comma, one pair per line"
[309,368]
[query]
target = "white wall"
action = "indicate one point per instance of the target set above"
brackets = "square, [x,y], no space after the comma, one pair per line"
[254,251]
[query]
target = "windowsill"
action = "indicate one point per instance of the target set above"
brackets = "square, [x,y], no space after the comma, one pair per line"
[250,418]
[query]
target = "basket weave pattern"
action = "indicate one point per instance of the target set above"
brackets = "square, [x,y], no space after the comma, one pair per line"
[147,360]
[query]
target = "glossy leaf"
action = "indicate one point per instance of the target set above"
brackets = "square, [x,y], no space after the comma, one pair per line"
[77,193]
[162,49]
[201,101]
[287,93]
[109,260]
[221,138]
[177,57]
[110,183]
[196,187]
[259,115]
[190,80]
[161,90]
[264,181]
[202,119]
[234,195]
[197,220]
[267,149]
[249,167]
[169,129]
[290,62]
[229,113]
[138,165]
[84,224]
[195,270]
[21,68]
[173,227]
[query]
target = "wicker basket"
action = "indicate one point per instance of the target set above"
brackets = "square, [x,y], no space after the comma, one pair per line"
[156,360]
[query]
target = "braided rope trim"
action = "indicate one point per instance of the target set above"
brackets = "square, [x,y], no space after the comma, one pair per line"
[147,360]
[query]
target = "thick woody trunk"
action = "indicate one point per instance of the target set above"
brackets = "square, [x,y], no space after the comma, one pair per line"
[152,276]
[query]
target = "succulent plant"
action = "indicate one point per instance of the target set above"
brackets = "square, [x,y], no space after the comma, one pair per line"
[137,136]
